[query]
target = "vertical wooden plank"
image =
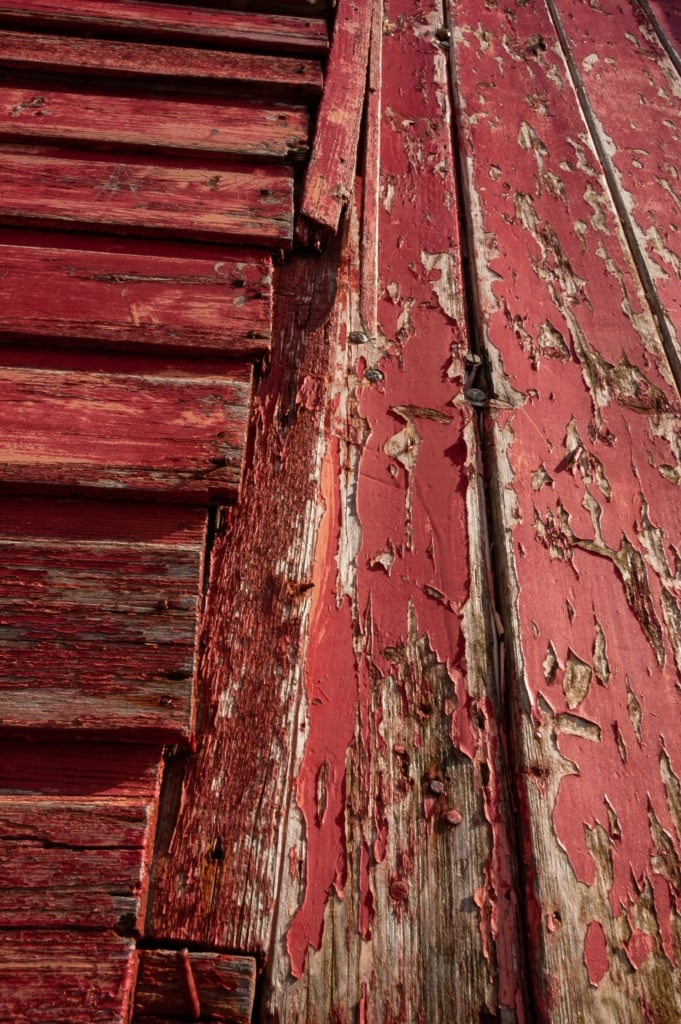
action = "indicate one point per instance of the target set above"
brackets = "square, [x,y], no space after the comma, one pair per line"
[584,450]
[395,899]
[331,170]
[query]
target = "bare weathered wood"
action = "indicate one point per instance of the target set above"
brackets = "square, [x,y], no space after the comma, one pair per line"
[42,53]
[65,974]
[247,204]
[178,435]
[136,299]
[98,630]
[585,464]
[192,124]
[173,22]
[224,987]
[331,171]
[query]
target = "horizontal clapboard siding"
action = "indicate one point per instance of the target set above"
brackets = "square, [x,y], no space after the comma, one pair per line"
[172,23]
[222,203]
[138,299]
[98,616]
[179,436]
[36,52]
[190,124]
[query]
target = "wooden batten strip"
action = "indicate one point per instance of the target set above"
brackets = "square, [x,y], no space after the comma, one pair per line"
[192,124]
[137,300]
[257,72]
[180,437]
[240,203]
[332,167]
[174,985]
[174,22]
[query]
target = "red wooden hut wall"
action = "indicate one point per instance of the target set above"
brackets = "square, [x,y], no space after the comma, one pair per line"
[341,626]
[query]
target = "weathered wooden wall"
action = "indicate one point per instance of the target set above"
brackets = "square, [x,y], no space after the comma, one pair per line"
[568,118]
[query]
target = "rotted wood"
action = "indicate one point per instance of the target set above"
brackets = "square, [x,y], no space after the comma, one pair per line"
[73,868]
[98,617]
[584,467]
[241,203]
[329,177]
[173,431]
[174,23]
[393,843]
[48,113]
[136,296]
[37,52]
[183,985]
[220,847]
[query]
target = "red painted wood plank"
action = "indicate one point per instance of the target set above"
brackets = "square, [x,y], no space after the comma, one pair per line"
[65,975]
[191,124]
[177,436]
[331,171]
[257,72]
[130,772]
[133,299]
[615,54]
[584,427]
[98,636]
[176,22]
[241,203]
[224,987]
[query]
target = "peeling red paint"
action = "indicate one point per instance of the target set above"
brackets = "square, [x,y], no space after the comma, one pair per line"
[595,952]
[331,683]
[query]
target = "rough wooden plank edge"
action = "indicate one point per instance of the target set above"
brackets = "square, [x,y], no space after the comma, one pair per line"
[331,170]
[175,22]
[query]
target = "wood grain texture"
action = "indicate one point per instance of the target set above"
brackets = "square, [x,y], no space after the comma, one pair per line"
[65,974]
[36,52]
[76,823]
[224,987]
[246,204]
[49,113]
[584,444]
[180,436]
[331,171]
[98,631]
[395,900]
[173,22]
[137,300]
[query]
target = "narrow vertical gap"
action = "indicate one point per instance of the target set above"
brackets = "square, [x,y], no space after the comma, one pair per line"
[490,524]
[637,253]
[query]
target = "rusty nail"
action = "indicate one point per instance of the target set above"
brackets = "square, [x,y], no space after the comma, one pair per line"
[442,33]
[190,983]
[475,396]
[436,786]
[373,375]
[452,817]
[358,338]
